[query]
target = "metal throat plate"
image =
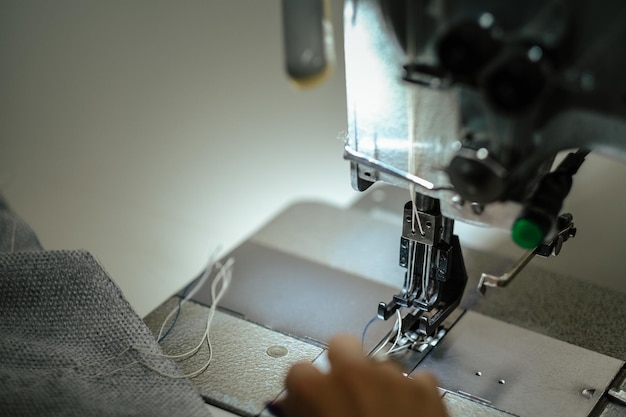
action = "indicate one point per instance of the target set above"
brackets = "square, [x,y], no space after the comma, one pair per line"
[519,371]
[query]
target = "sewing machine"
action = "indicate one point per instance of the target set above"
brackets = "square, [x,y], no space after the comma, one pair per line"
[461,107]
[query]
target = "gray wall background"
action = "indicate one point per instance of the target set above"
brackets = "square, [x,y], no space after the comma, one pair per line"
[150,132]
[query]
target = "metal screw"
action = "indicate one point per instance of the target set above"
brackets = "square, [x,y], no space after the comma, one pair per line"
[588,393]
[486,20]
[277,351]
[535,53]
[478,208]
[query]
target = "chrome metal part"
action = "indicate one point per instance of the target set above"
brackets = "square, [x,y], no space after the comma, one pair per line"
[414,347]
[249,361]
[619,395]
[369,162]
[382,109]
[405,97]
[380,106]
[487,280]
[551,248]
[613,410]
[430,224]
[521,372]
[435,276]
[463,406]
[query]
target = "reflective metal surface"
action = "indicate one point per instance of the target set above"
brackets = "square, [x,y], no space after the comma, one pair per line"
[405,131]
[459,406]
[613,410]
[522,372]
[320,281]
[381,106]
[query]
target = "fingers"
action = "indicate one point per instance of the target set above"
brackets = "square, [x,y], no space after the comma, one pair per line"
[353,373]
[344,350]
[305,380]
[425,389]
[364,381]
[346,355]
[313,394]
[303,383]
[357,385]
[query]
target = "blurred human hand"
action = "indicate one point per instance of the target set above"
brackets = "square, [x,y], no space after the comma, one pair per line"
[357,386]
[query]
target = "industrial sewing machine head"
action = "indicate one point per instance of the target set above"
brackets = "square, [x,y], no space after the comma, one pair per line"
[466,104]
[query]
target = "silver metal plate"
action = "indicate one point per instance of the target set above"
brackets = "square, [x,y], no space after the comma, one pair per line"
[613,410]
[458,406]
[249,361]
[519,371]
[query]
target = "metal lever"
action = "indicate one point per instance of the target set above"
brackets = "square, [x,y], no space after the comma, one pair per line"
[362,159]
[487,280]
[566,230]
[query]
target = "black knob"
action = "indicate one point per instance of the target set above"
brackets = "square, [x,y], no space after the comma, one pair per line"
[477,177]
[514,83]
[465,49]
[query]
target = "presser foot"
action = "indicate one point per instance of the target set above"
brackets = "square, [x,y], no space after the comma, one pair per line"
[428,319]
[410,347]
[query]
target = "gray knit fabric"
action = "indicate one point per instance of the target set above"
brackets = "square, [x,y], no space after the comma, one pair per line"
[63,325]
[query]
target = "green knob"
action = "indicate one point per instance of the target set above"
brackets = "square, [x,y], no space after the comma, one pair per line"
[526,233]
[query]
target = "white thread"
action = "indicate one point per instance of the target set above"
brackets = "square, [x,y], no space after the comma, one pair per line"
[223,277]
[414,213]
[382,345]
[100,363]
[199,284]
[119,369]
[399,335]
[119,355]
[399,348]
